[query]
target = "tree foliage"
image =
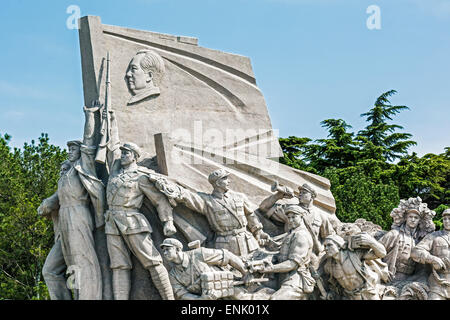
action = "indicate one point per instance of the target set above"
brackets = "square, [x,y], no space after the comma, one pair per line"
[27,176]
[365,181]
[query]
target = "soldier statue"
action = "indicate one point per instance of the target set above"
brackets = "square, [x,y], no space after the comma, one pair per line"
[399,242]
[434,249]
[294,259]
[229,213]
[192,271]
[319,224]
[79,190]
[349,276]
[127,230]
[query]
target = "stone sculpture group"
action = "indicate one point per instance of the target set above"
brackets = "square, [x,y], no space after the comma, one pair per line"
[317,257]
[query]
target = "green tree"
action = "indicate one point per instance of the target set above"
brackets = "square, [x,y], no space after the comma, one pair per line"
[379,138]
[339,150]
[365,181]
[27,177]
[358,194]
[427,177]
[294,150]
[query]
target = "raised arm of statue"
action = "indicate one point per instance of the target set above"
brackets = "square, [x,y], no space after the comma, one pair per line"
[88,148]
[270,201]
[192,200]
[89,124]
[113,152]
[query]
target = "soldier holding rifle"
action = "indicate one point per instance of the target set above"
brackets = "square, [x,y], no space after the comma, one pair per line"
[127,230]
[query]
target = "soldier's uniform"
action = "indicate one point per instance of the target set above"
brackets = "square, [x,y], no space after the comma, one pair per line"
[204,272]
[127,230]
[317,222]
[435,244]
[126,225]
[185,277]
[398,244]
[298,283]
[228,214]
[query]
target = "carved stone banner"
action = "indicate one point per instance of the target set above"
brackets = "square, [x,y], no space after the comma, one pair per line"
[191,110]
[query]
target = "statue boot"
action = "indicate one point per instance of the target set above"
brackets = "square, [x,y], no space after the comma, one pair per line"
[160,278]
[121,284]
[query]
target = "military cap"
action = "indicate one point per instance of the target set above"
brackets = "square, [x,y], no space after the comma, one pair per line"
[308,188]
[295,209]
[171,242]
[217,174]
[130,146]
[74,143]
[446,212]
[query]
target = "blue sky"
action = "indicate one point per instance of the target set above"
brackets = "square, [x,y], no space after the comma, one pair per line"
[313,60]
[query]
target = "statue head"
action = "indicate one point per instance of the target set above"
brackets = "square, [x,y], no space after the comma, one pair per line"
[74,151]
[306,194]
[412,218]
[294,215]
[144,73]
[219,180]
[130,153]
[171,249]
[413,214]
[333,244]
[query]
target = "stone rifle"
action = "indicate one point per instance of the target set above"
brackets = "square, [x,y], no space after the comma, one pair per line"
[105,128]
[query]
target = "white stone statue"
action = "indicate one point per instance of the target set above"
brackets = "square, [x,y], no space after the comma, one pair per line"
[127,230]
[74,248]
[195,273]
[319,224]
[350,277]
[434,250]
[412,221]
[229,213]
[294,258]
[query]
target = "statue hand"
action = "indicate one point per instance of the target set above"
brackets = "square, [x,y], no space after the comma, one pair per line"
[40,210]
[363,240]
[267,268]
[160,183]
[247,278]
[289,193]
[262,237]
[169,228]
[390,277]
[96,105]
[437,263]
